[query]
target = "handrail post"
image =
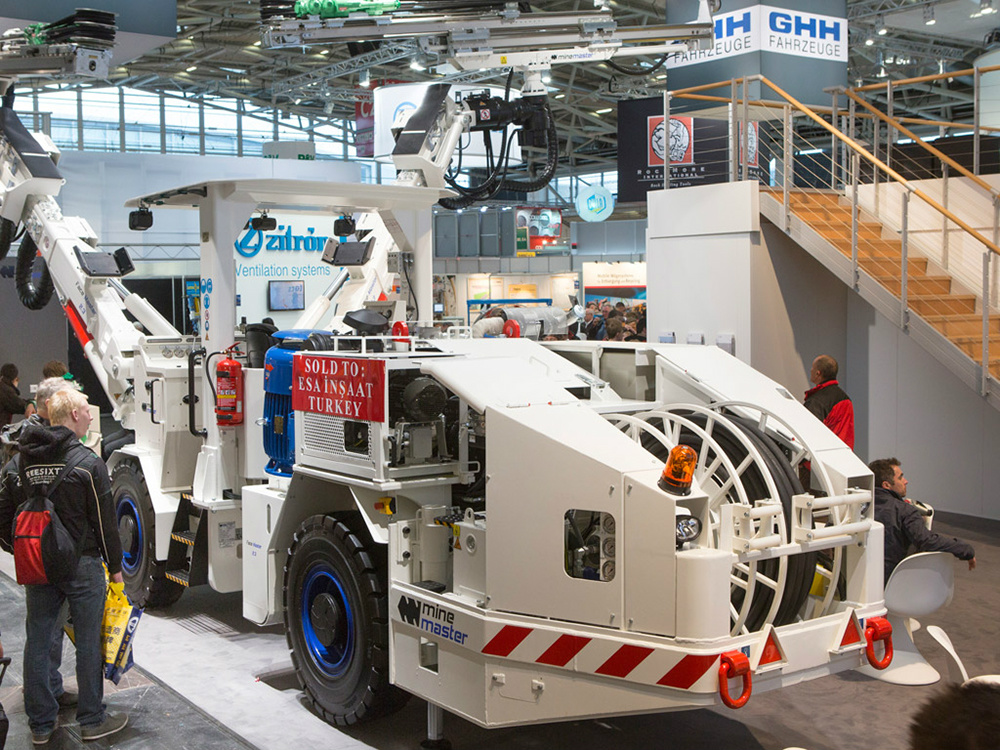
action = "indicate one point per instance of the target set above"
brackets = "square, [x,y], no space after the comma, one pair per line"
[855,178]
[787,168]
[985,368]
[833,144]
[904,312]
[996,237]
[851,127]
[745,139]
[944,219]
[889,131]
[733,133]
[876,128]
[666,136]
[976,89]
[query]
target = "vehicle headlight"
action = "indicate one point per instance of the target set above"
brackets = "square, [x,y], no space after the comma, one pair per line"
[686,529]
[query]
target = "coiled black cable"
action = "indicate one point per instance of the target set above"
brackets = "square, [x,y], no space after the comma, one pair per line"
[33,295]
[638,71]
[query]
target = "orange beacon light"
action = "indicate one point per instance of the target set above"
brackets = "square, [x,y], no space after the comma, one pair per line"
[679,470]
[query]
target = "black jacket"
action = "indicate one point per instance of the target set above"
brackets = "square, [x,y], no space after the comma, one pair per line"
[83,500]
[904,527]
[11,402]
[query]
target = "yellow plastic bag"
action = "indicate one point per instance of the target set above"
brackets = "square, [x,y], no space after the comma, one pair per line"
[120,621]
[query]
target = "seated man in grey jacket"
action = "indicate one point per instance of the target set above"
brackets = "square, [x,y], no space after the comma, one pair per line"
[904,524]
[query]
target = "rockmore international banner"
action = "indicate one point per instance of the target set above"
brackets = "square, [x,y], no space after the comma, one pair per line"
[698,149]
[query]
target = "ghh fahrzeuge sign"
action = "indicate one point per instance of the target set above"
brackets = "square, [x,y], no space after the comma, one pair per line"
[764,28]
[801,46]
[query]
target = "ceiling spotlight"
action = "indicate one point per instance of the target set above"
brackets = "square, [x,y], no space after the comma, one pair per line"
[986,7]
[929,19]
[417,65]
[869,42]
[191,69]
[880,28]
[365,79]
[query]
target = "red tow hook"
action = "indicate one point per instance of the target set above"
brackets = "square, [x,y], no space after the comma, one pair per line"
[735,664]
[878,629]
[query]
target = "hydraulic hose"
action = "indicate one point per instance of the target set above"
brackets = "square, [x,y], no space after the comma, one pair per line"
[551,160]
[8,230]
[33,295]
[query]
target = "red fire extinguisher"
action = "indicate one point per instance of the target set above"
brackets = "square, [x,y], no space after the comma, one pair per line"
[228,391]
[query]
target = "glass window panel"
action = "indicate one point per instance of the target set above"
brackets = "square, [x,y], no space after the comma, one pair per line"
[181,117]
[142,121]
[220,127]
[100,119]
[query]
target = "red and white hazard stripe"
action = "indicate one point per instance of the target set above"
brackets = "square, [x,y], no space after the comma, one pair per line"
[608,657]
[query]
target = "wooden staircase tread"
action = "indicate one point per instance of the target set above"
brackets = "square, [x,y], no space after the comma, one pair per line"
[961,318]
[940,297]
[911,277]
[879,254]
[972,338]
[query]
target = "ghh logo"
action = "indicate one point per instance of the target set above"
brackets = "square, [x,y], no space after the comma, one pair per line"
[409,610]
[250,243]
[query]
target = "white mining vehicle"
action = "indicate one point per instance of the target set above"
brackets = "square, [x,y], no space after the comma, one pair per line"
[513,531]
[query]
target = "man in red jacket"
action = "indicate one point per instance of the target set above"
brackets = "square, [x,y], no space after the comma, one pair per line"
[828,401]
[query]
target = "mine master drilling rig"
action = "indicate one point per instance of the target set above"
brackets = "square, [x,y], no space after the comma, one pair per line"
[515,532]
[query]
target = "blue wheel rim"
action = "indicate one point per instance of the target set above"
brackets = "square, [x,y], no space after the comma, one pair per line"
[332,658]
[128,512]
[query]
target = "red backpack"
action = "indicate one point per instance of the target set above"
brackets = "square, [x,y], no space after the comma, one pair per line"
[44,551]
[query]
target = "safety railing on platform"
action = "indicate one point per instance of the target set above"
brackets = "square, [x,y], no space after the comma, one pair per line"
[904,209]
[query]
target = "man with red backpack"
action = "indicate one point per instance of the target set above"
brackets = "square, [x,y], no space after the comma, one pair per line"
[81,498]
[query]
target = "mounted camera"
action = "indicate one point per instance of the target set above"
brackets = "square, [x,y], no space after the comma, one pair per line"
[264,223]
[141,219]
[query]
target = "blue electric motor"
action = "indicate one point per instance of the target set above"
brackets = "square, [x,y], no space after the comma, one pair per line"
[279,418]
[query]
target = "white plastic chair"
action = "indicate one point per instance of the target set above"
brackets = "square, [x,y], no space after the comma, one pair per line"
[956,669]
[920,585]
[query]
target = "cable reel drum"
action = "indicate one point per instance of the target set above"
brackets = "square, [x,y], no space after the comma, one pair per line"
[742,461]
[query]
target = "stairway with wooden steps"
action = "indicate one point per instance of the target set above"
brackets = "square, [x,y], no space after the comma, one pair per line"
[932,296]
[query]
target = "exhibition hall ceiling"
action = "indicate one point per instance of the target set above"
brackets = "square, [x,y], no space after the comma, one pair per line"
[218,53]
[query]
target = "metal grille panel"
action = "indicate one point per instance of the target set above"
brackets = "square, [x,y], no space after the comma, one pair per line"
[325,434]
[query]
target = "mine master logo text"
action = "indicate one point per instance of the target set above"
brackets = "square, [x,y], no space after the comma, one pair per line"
[430,617]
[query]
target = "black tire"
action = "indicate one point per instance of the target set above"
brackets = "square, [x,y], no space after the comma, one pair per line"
[145,577]
[337,623]
[33,296]
[7,231]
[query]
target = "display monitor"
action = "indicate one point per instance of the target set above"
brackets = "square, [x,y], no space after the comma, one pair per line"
[439,307]
[286,295]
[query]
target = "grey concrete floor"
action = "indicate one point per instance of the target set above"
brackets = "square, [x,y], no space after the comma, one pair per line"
[239,691]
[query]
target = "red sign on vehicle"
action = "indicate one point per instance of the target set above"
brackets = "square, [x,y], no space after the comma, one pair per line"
[349,388]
